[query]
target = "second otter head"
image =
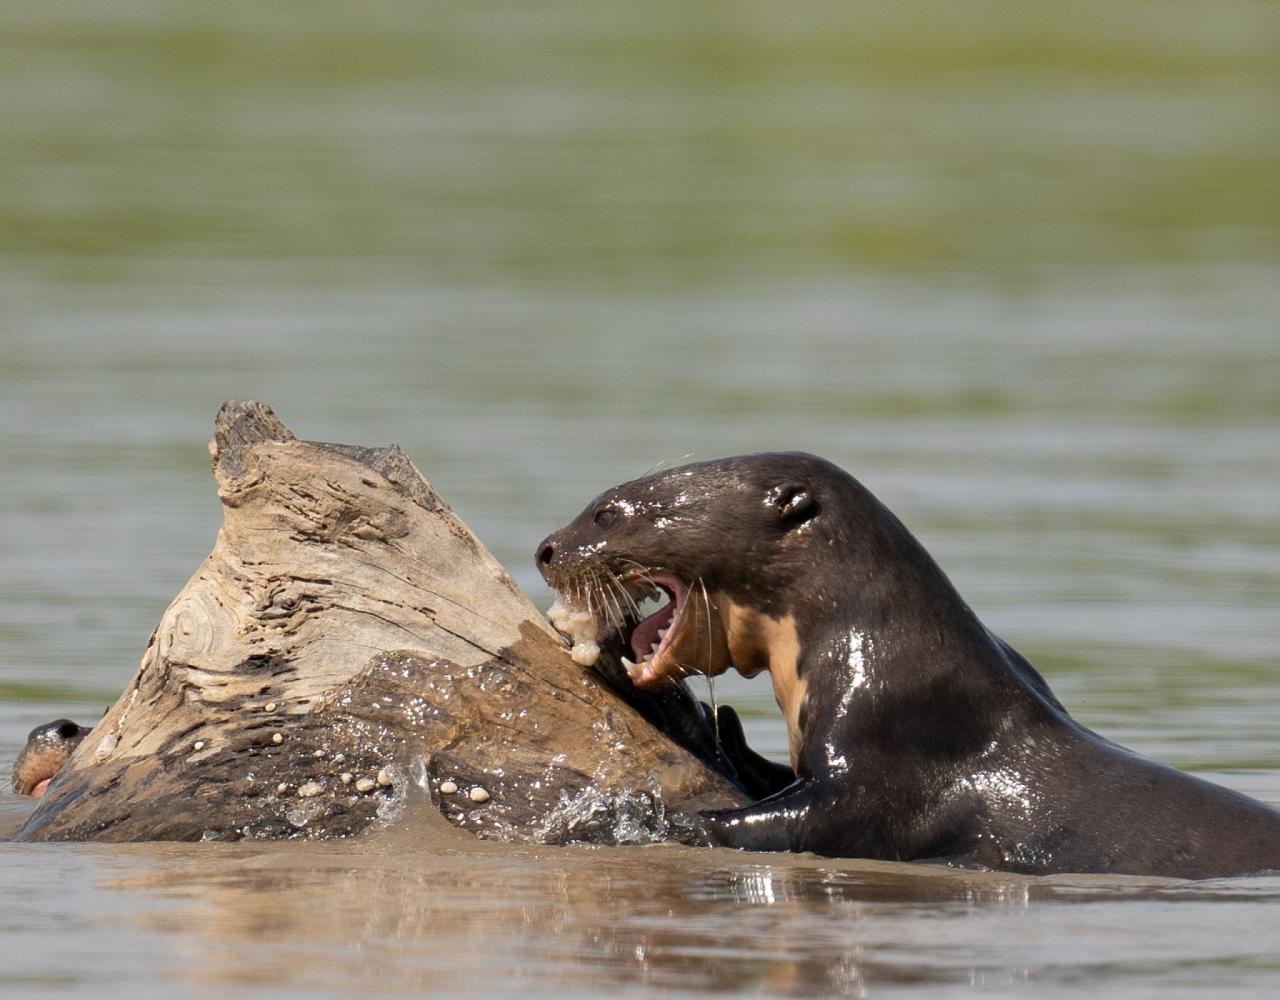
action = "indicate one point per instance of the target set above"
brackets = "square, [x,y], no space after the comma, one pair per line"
[713,537]
[48,747]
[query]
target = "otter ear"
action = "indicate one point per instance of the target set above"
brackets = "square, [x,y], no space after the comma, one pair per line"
[794,504]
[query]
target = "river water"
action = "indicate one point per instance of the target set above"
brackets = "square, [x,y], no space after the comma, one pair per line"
[1015,265]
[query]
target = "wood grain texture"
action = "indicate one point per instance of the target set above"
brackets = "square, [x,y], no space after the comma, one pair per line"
[348,626]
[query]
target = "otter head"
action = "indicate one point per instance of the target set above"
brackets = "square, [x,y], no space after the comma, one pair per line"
[728,543]
[48,747]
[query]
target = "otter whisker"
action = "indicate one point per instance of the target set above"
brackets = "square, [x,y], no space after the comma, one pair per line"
[594,602]
[608,601]
[643,573]
[711,681]
[602,609]
[586,594]
[609,585]
[663,463]
[633,609]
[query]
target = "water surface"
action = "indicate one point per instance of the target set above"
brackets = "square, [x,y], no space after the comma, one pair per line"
[1014,265]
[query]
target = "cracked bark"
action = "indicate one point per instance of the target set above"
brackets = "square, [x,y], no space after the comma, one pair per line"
[348,626]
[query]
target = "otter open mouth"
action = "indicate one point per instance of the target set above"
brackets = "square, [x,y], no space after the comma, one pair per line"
[654,636]
[682,636]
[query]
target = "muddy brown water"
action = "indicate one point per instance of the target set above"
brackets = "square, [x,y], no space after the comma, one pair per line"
[387,917]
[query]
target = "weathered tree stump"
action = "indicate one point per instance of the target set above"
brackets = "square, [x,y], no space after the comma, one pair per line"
[347,645]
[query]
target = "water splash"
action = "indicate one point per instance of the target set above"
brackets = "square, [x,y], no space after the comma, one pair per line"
[598,815]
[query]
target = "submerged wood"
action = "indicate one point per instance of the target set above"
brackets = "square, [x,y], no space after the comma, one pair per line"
[348,645]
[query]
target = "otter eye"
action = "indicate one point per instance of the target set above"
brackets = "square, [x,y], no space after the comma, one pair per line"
[795,504]
[606,517]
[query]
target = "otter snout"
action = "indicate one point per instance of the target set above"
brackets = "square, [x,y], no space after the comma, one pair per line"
[560,555]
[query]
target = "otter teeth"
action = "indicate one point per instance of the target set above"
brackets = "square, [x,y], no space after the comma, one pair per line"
[633,669]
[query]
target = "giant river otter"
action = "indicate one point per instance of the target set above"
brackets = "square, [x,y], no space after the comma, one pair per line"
[915,732]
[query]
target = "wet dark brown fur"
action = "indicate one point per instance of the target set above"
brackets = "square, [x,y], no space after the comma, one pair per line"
[916,733]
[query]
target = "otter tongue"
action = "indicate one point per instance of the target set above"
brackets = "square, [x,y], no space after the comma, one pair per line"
[646,633]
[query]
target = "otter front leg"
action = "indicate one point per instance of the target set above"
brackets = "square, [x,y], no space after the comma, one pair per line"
[782,822]
[756,775]
[824,817]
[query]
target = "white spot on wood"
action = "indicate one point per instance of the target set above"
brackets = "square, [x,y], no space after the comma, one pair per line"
[106,746]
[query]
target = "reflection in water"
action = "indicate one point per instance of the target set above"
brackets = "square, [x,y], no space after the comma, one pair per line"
[389,917]
[578,919]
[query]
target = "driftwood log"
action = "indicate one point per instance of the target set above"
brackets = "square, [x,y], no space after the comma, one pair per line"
[349,645]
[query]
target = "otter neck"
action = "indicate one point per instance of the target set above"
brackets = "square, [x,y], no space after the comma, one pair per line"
[902,662]
[757,642]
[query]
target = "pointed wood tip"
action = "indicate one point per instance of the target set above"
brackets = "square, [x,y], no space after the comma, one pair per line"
[241,424]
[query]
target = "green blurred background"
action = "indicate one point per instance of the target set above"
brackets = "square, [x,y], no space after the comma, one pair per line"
[632,145]
[1012,263]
